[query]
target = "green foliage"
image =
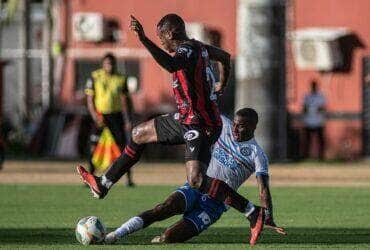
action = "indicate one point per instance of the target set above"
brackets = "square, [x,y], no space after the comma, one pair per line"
[44,216]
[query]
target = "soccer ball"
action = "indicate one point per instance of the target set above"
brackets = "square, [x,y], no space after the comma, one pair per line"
[90,230]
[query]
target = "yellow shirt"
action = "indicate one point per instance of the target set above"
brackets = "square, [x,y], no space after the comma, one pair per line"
[107,91]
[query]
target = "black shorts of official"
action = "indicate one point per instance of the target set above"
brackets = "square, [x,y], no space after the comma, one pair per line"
[198,140]
[116,125]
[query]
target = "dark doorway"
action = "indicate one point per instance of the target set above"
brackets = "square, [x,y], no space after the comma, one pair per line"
[366,106]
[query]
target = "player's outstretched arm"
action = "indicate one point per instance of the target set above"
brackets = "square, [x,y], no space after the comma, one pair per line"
[266,201]
[168,62]
[223,57]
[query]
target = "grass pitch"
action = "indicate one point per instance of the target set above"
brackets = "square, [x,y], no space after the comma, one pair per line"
[44,216]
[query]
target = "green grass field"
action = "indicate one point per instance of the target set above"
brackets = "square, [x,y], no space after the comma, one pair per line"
[44,216]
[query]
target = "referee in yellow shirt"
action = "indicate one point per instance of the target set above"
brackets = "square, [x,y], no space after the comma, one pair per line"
[109,103]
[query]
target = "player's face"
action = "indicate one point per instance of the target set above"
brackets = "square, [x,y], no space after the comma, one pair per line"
[242,129]
[164,37]
[108,65]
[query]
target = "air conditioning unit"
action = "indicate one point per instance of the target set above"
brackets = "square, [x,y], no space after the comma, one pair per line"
[318,48]
[197,31]
[88,26]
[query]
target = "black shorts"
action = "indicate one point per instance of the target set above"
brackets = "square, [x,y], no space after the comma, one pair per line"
[198,139]
[116,125]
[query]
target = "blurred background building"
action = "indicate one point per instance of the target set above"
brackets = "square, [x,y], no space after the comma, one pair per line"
[329,43]
[48,48]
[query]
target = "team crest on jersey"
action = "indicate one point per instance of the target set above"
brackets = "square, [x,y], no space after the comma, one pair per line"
[191,135]
[245,151]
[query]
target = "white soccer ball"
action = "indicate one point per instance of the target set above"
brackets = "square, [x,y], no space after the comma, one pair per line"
[90,230]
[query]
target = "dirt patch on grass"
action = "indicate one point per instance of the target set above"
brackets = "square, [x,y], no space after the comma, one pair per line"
[306,174]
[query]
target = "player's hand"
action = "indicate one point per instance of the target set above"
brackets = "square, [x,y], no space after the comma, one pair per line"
[136,26]
[271,224]
[99,124]
[219,88]
[99,121]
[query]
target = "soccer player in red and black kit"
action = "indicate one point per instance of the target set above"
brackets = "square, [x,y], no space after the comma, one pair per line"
[197,124]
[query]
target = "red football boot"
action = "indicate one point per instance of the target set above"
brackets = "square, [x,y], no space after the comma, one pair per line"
[97,189]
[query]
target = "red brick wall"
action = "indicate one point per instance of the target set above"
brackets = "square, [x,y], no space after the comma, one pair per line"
[342,90]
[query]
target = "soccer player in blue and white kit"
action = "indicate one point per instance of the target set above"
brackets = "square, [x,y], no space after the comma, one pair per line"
[235,157]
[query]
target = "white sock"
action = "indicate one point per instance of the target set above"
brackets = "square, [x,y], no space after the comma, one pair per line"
[132,225]
[106,182]
[250,209]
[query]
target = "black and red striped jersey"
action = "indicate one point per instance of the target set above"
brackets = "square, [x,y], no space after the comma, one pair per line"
[193,86]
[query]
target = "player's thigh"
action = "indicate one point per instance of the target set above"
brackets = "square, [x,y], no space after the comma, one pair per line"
[144,133]
[191,197]
[205,215]
[181,231]
[199,142]
[169,130]
[175,204]
[197,156]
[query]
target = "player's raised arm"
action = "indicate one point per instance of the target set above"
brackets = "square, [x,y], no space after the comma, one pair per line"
[168,62]
[223,57]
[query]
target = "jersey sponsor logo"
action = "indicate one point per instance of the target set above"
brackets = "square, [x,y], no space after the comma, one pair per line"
[224,158]
[231,152]
[245,151]
[184,50]
[191,135]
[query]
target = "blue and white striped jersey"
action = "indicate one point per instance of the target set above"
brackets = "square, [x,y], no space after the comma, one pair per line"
[234,162]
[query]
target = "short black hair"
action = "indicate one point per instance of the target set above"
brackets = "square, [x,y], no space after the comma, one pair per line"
[173,23]
[248,113]
[110,57]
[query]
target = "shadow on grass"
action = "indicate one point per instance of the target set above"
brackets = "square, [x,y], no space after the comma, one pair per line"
[329,236]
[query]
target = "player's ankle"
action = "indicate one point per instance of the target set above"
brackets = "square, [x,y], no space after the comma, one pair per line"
[250,208]
[105,182]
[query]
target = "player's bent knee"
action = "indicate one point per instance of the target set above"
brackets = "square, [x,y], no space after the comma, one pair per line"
[163,208]
[138,135]
[144,133]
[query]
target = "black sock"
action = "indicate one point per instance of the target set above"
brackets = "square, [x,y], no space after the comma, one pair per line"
[129,157]
[220,191]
